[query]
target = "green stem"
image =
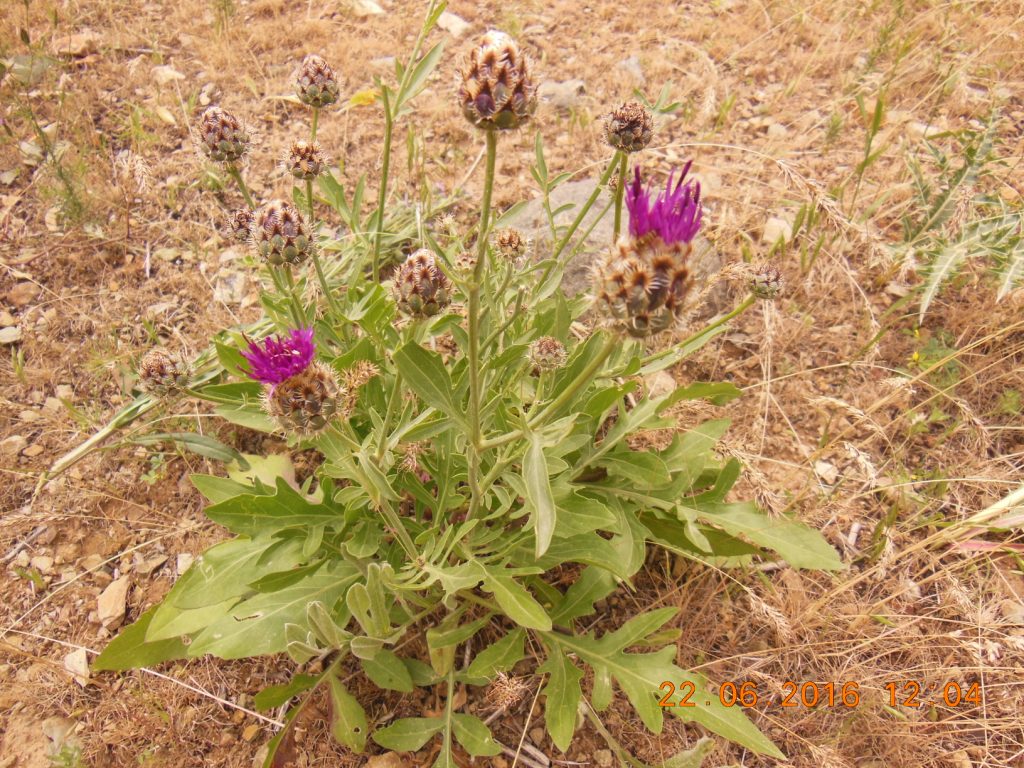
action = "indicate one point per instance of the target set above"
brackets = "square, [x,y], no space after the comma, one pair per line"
[620,188]
[293,295]
[235,174]
[473,321]
[382,192]
[316,121]
[580,216]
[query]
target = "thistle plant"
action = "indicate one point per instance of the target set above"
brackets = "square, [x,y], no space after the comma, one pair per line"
[478,485]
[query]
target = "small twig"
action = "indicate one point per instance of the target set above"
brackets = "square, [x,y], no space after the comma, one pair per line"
[13,551]
[517,756]
[520,759]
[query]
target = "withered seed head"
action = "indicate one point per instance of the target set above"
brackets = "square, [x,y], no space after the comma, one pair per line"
[280,234]
[547,353]
[505,691]
[766,281]
[305,160]
[307,401]
[421,288]
[629,128]
[495,88]
[163,373]
[239,225]
[511,243]
[222,136]
[315,83]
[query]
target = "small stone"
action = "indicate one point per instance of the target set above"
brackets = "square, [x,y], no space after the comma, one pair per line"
[78,44]
[10,334]
[250,732]
[1013,611]
[23,294]
[110,605]
[33,450]
[91,562]
[777,131]
[456,26]
[659,384]
[146,567]
[28,415]
[42,563]
[229,287]
[566,95]
[13,445]
[537,735]
[64,391]
[387,760]
[826,471]
[6,319]
[77,663]
[603,757]
[366,8]
[776,228]
[53,405]
[165,74]
[631,67]
[184,562]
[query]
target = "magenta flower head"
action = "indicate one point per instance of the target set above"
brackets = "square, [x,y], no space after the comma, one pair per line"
[674,215]
[275,360]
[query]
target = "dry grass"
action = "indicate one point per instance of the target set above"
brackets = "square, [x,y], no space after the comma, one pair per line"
[882,433]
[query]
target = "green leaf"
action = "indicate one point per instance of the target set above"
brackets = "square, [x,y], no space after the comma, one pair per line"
[408,734]
[498,657]
[419,75]
[562,696]
[593,584]
[348,719]
[514,599]
[257,625]
[275,695]
[426,375]
[129,650]
[539,499]
[218,489]
[641,470]
[798,545]
[203,445]
[474,736]
[250,515]
[388,671]
[170,621]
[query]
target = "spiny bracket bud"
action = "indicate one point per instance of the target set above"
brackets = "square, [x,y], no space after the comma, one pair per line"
[315,83]
[239,225]
[629,127]
[766,281]
[222,136]
[163,373]
[305,160]
[495,88]
[280,234]
[421,288]
[547,354]
[511,244]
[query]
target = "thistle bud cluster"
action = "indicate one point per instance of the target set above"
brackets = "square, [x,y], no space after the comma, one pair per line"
[547,354]
[305,160]
[766,281]
[163,373]
[315,83]
[629,128]
[280,234]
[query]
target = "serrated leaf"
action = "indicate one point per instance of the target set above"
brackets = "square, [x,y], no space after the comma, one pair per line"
[474,736]
[251,515]
[592,585]
[408,734]
[388,671]
[498,657]
[514,599]
[797,544]
[562,696]
[538,495]
[348,719]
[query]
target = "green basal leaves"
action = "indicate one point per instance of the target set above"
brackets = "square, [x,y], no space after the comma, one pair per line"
[487,507]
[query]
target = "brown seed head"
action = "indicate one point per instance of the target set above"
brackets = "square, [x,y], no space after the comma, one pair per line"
[222,137]
[629,128]
[511,243]
[280,234]
[421,288]
[305,160]
[315,83]
[239,225]
[505,692]
[642,285]
[547,353]
[495,89]
[163,373]
[307,401]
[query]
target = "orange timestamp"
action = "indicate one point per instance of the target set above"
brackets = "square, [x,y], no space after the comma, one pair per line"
[907,693]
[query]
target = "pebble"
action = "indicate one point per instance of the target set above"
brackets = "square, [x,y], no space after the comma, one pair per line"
[110,604]
[23,293]
[776,228]
[603,757]
[13,445]
[566,95]
[32,451]
[632,68]
[29,415]
[6,319]
[42,563]
[184,562]
[454,25]
[10,334]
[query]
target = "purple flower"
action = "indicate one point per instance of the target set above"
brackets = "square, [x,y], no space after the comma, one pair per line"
[674,215]
[274,360]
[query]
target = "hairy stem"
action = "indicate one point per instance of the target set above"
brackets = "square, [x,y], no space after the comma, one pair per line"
[382,192]
[620,188]
[235,174]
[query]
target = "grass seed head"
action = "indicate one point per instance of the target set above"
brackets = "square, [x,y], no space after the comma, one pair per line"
[495,89]
[421,288]
[315,83]
[280,234]
[222,137]
[629,128]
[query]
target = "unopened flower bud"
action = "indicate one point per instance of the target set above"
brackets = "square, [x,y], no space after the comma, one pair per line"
[629,128]
[421,288]
[547,354]
[280,234]
[163,373]
[315,83]
[766,281]
[239,225]
[495,87]
[511,243]
[305,160]
[222,136]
